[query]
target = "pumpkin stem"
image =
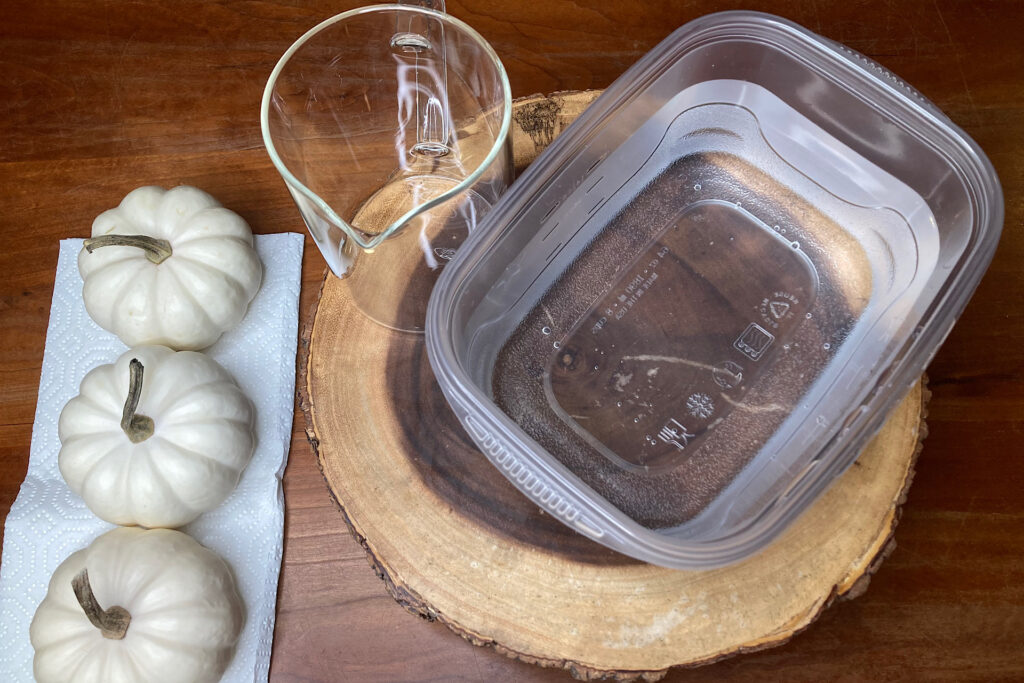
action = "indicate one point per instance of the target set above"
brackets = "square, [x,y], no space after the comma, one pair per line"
[137,427]
[157,250]
[113,622]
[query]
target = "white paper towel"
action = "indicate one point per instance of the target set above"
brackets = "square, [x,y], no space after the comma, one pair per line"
[48,522]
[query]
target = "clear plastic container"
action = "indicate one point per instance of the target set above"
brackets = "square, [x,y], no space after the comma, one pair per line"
[695,308]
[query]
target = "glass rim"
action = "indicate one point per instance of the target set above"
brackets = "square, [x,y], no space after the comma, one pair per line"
[298,186]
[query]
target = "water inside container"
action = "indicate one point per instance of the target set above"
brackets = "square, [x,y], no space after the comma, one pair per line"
[676,328]
[669,352]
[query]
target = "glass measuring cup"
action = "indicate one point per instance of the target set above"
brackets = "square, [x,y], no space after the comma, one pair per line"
[390,126]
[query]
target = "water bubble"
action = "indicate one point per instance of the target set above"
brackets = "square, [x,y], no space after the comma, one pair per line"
[785,347]
[596,367]
[636,419]
[776,228]
[826,346]
[618,404]
[557,345]
[545,330]
[795,245]
[808,316]
[697,187]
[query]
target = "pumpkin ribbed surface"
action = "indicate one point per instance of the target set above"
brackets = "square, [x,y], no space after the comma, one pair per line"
[186,614]
[189,299]
[202,439]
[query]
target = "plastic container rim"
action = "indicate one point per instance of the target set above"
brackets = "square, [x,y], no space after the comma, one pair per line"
[979,179]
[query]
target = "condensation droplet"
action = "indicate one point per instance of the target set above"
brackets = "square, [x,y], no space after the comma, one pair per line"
[619,404]
[795,245]
[826,346]
[808,316]
[545,330]
[697,187]
[636,419]
[776,228]
[557,345]
[785,347]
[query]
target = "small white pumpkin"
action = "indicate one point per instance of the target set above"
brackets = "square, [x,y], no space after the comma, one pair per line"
[138,606]
[169,267]
[155,439]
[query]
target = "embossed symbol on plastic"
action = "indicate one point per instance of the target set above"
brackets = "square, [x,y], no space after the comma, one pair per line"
[754,341]
[700,405]
[776,308]
[446,253]
[727,374]
[675,434]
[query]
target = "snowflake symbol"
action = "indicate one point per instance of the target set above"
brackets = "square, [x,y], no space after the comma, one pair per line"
[700,405]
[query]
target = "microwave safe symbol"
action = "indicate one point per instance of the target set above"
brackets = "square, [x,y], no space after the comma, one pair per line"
[754,341]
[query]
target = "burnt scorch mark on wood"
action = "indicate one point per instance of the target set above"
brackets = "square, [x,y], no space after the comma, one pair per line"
[406,590]
[449,464]
[411,599]
[540,120]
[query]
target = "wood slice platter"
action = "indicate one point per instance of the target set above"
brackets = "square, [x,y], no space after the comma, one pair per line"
[457,543]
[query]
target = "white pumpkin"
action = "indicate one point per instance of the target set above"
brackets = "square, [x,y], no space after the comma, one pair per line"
[138,606]
[155,439]
[169,267]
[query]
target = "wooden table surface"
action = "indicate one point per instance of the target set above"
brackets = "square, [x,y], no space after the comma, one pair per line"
[99,97]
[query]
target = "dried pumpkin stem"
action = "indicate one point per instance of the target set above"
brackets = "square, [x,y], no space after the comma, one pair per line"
[137,427]
[113,622]
[157,250]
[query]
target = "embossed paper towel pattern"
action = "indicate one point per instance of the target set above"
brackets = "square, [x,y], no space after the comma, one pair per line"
[47,522]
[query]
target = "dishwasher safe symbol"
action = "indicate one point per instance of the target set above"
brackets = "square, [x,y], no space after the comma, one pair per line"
[754,341]
[675,434]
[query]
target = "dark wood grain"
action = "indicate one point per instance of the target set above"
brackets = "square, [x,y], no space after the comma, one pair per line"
[455,542]
[99,97]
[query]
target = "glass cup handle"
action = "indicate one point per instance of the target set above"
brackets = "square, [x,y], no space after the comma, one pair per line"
[419,43]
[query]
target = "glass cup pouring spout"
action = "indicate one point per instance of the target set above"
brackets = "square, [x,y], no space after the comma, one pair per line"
[390,127]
